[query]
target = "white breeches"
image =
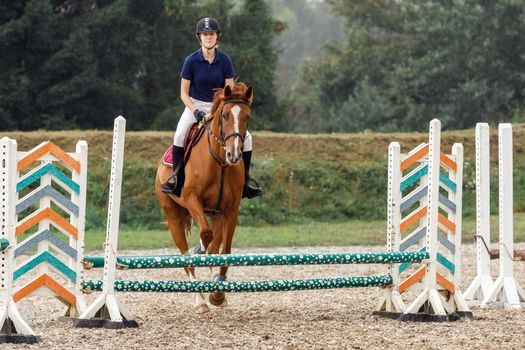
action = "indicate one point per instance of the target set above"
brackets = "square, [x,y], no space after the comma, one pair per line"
[187,119]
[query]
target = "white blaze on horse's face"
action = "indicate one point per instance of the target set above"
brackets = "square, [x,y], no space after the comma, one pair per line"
[235,111]
[234,144]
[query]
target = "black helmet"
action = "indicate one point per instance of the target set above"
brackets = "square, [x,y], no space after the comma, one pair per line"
[208,24]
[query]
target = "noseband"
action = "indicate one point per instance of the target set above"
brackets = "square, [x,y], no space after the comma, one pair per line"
[222,140]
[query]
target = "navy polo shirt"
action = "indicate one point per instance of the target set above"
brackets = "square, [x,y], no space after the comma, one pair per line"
[205,76]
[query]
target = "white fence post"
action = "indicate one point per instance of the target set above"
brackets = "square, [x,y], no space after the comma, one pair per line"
[80,224]
[505,291]
[106,310]
[430,294]
[480,286]
[391,301]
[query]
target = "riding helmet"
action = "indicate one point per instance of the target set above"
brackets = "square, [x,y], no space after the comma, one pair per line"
[208,24]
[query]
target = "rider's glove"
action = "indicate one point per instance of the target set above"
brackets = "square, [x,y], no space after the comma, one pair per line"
[199,115]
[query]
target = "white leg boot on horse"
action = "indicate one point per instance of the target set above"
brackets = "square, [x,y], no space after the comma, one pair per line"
[200,305]
[219,298]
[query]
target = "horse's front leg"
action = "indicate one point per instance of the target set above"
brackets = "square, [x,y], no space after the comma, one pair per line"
[196,210]
[218,228]
[200,305]
[219,298]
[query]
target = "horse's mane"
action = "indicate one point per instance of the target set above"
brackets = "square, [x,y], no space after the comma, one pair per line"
[238,91]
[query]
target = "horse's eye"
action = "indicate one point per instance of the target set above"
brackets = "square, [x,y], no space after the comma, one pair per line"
[225,116]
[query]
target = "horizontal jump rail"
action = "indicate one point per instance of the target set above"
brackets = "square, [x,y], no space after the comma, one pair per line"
[243,286]
[175,261]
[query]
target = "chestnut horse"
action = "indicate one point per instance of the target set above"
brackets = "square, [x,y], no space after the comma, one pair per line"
[213,185]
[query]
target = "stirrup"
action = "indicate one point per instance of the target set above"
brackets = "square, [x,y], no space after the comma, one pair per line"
[169,186]
[251,191]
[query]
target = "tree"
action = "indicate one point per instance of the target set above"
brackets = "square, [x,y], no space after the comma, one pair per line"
[455,60]
[79,63]
[28,35]
[307,25]
[249,41]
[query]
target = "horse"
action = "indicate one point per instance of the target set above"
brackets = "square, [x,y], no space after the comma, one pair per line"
[213,185]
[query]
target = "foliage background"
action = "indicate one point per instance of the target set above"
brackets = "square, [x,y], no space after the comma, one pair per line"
[316,66]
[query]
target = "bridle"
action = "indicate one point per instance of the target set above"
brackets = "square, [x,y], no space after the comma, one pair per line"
[223,138]
[222,142]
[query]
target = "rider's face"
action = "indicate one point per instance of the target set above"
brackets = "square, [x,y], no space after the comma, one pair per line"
[208,38]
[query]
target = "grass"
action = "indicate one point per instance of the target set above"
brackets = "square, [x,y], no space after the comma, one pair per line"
[299,235]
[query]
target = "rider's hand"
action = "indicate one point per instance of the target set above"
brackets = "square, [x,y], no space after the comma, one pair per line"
[199,115]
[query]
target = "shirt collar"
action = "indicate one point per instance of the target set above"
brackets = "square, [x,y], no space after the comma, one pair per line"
[215,59]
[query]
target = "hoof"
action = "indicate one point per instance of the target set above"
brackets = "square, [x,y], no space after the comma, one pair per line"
[201,308]
[218,299]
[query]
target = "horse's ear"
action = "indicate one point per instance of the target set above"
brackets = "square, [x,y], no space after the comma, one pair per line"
[248,95]
[227,92]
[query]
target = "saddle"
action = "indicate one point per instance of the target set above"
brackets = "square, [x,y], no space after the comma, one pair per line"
[194,135]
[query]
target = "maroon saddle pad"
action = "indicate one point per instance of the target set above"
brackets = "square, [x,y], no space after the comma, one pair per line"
[193,136]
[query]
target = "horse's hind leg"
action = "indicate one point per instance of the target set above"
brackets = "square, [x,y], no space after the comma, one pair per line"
[177,217]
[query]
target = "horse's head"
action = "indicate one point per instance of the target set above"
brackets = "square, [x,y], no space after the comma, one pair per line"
[233,119]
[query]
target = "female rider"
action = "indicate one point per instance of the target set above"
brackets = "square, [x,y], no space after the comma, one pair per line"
[203,71]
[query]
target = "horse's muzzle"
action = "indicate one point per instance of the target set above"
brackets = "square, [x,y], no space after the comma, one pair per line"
[233,158]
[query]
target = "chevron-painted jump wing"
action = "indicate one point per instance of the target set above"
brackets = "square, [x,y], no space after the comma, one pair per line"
[412,198]
[49,191]
[414,155]
[413,176]
[412,239]
[50,214]
[37,173]
[447,182]
[447,244]
[51,260]
[444,222]
[45,148]
[45,235]
[446,263]
[447,202]
[405,266]
[47,281]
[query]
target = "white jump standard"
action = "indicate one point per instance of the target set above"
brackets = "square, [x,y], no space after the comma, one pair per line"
[431,222]
[480,286]
[505,291]
[13,327]
[107,311]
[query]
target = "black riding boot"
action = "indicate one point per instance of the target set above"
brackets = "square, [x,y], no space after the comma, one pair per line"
[174,185]
[251,187]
